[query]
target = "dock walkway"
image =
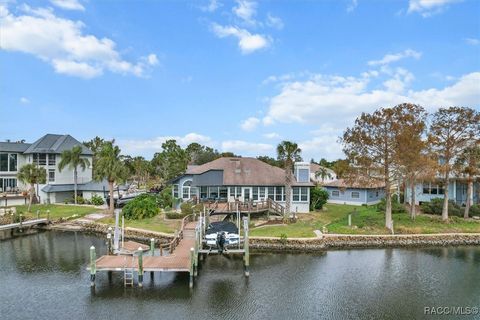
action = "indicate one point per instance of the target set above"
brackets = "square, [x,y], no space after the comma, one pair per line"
[28,223]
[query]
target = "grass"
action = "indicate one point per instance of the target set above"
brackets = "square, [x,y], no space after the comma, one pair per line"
[366,220]
[56,211]
[157,223]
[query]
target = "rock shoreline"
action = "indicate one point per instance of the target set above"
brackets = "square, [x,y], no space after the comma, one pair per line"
[325,242]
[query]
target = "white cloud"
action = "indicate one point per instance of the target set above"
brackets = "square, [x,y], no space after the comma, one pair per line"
[63,44]
[150,146]
[212,6]
[473,41]
[428,8]
[246,10]
[274,22]
[250,124]
[247,42]
[24,100]
[68,4]
[353,4]
[272,135]
[247,148]
[389,58]
[336,101]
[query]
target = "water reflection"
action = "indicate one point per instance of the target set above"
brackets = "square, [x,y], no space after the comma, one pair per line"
[374,284]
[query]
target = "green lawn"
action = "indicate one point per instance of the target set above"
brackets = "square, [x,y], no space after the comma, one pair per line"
[366,220]
[56,211]
[157,223]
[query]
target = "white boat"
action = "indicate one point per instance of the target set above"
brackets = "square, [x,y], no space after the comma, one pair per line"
[221,235]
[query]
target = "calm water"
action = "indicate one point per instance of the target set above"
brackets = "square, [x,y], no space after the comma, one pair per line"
[43,276]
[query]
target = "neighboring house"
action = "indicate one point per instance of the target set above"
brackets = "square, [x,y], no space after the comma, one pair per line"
[314,168]
[46,152]
[243,180]
[343,192]
[457,191]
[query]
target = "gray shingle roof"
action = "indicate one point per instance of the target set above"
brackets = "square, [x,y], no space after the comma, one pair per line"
[89,186]
[14,147]
[55,143]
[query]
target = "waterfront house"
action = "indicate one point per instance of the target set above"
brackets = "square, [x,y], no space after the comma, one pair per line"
[457,191]
[243,180]
[354,193]
[46,153]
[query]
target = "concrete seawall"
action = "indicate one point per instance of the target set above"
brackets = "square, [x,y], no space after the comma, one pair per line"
[325,242]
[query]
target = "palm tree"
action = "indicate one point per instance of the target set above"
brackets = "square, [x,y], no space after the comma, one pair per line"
[288,152]
[323,173]
[73,159]
[32,174]
[110,167]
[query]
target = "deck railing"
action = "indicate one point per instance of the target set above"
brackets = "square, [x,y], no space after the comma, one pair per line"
[248,206]
[179,235]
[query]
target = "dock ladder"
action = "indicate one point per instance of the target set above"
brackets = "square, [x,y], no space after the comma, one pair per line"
[128,273]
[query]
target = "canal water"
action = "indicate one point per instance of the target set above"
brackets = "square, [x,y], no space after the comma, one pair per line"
[43,276]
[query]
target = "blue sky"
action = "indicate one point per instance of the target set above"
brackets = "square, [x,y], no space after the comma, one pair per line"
[237,75]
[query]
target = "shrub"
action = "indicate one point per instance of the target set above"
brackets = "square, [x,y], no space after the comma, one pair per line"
[175,215]
[396,207]
[474,210]
[143,206]
[186,208]
[80,200]
[318,197]
[435,206]
[165,198]
[97,200]
[283,238]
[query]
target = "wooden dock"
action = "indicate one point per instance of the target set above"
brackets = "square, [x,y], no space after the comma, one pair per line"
[184,251]
[23,224]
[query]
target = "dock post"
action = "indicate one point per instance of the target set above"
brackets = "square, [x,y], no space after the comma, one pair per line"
[195,259]
[140,267]
[349,219]
[161,249]
[190,285]
[246,248]
[21,222]
[93,266]
[152,246]
[109,243]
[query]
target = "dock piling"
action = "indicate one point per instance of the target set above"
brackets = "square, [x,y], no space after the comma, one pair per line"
[246,247]
[192,252]
[349,219]
[93,267]
[152,246]
[140,267]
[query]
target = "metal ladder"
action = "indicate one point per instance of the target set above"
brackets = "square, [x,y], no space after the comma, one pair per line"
[128,273]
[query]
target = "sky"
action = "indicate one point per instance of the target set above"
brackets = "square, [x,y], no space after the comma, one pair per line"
[239,76]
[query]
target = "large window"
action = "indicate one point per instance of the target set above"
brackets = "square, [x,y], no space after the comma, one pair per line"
[213,192]
[355,195]
[279,194]
[175,191]
[12,162]
[52,159]
[430,188]
[203,192]
[261,194]
[303,175]
[300,194]
[271,193]
[3,161]
[335,193]
[51,175]
[186,189]
[255,194]
[8,184]
[223,192]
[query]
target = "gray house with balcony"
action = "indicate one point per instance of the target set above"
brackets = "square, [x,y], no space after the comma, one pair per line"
[46,152]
